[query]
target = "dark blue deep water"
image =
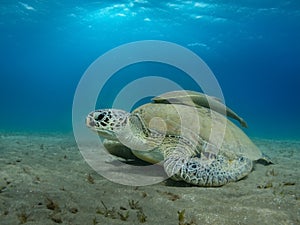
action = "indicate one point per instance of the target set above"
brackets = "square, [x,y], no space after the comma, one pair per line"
[252,47]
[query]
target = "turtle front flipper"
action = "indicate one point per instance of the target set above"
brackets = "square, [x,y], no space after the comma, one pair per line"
[116,148]
[181,164]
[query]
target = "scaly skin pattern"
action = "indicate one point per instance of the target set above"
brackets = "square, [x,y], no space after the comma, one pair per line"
[182,162]
[209,173]
[217,173]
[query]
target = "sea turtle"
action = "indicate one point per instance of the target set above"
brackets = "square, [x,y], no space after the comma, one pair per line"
[195,143]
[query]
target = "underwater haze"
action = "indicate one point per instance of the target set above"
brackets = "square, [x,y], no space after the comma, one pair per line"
[251,46]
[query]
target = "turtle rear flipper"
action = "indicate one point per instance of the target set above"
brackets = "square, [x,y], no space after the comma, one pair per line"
[265,160]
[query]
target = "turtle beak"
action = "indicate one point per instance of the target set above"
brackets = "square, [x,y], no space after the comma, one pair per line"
[90,121]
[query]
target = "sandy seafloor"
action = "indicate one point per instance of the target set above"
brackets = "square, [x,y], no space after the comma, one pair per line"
[45,180]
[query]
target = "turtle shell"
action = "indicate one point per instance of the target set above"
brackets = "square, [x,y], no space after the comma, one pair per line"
[196,124]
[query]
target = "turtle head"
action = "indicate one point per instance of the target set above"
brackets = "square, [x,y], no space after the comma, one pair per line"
[107,122]
[119,125]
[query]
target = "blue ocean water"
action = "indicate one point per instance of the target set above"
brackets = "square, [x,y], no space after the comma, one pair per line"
[252,47]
